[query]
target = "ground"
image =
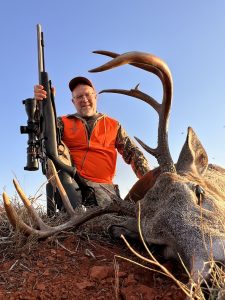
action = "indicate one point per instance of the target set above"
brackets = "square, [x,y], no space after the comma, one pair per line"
[77,267]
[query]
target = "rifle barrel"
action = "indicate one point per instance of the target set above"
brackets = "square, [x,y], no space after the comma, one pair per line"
[40,52]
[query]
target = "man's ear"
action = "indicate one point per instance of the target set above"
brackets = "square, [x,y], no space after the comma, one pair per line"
[96,93]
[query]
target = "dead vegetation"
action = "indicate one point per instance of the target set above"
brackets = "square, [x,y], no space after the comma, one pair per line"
[13,243]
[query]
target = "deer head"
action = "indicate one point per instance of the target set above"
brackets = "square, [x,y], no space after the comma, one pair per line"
[185,209]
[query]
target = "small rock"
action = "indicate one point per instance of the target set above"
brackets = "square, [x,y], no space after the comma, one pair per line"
[138,292]
[84,284]
[101,272]
[40,286]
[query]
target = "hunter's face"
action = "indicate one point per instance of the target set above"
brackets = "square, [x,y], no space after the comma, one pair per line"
[85,100]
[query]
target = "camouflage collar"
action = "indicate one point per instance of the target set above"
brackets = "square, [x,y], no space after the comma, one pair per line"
[76,115]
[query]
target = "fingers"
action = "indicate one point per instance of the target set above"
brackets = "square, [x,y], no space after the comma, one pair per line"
[39,92]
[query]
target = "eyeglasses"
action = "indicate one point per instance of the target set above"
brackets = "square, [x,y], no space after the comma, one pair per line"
[81,97]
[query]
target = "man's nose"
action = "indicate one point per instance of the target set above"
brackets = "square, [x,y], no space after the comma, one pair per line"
[85,99]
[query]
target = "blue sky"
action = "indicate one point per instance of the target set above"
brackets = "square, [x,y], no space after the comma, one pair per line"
[188,35]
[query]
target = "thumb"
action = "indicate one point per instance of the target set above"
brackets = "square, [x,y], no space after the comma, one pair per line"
[53,90]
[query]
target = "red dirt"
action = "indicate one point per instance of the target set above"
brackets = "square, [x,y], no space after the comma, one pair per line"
[77,268]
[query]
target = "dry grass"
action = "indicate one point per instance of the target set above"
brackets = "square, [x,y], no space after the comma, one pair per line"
[213,288]
[13,240]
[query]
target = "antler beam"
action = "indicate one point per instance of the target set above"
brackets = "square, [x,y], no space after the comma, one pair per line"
[154,65]
[44,231]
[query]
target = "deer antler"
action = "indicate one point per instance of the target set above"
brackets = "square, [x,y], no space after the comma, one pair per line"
[154,65]
[75,221]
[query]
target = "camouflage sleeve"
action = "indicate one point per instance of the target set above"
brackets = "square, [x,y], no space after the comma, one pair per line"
[131,153]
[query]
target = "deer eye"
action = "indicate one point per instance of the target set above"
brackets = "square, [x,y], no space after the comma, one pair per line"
[199,191]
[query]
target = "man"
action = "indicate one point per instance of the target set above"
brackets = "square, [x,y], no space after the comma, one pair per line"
[94,139]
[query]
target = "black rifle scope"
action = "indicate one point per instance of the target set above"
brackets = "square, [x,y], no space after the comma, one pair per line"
[32,130]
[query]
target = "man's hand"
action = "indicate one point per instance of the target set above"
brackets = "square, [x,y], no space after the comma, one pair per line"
[40,93]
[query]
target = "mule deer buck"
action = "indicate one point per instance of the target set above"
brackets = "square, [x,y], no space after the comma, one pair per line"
[183,211]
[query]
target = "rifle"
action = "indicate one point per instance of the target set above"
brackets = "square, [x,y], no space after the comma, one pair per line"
[42,130]
[44,138]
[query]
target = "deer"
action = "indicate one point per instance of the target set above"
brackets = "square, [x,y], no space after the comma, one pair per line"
[182,205]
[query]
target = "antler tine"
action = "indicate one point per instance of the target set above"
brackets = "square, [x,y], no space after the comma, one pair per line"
[74,222]
[154,65]
[152,151]
[143,66]
[107,53]
[14,219]
[114,55]
[29,207]
[136,94]
[144,97]
[55,181]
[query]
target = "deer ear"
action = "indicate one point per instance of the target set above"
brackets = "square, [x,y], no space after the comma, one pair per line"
[193,157]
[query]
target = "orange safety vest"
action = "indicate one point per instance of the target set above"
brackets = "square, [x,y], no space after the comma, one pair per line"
[95,159]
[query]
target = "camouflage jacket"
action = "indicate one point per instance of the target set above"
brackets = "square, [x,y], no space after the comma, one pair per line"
[124,144]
